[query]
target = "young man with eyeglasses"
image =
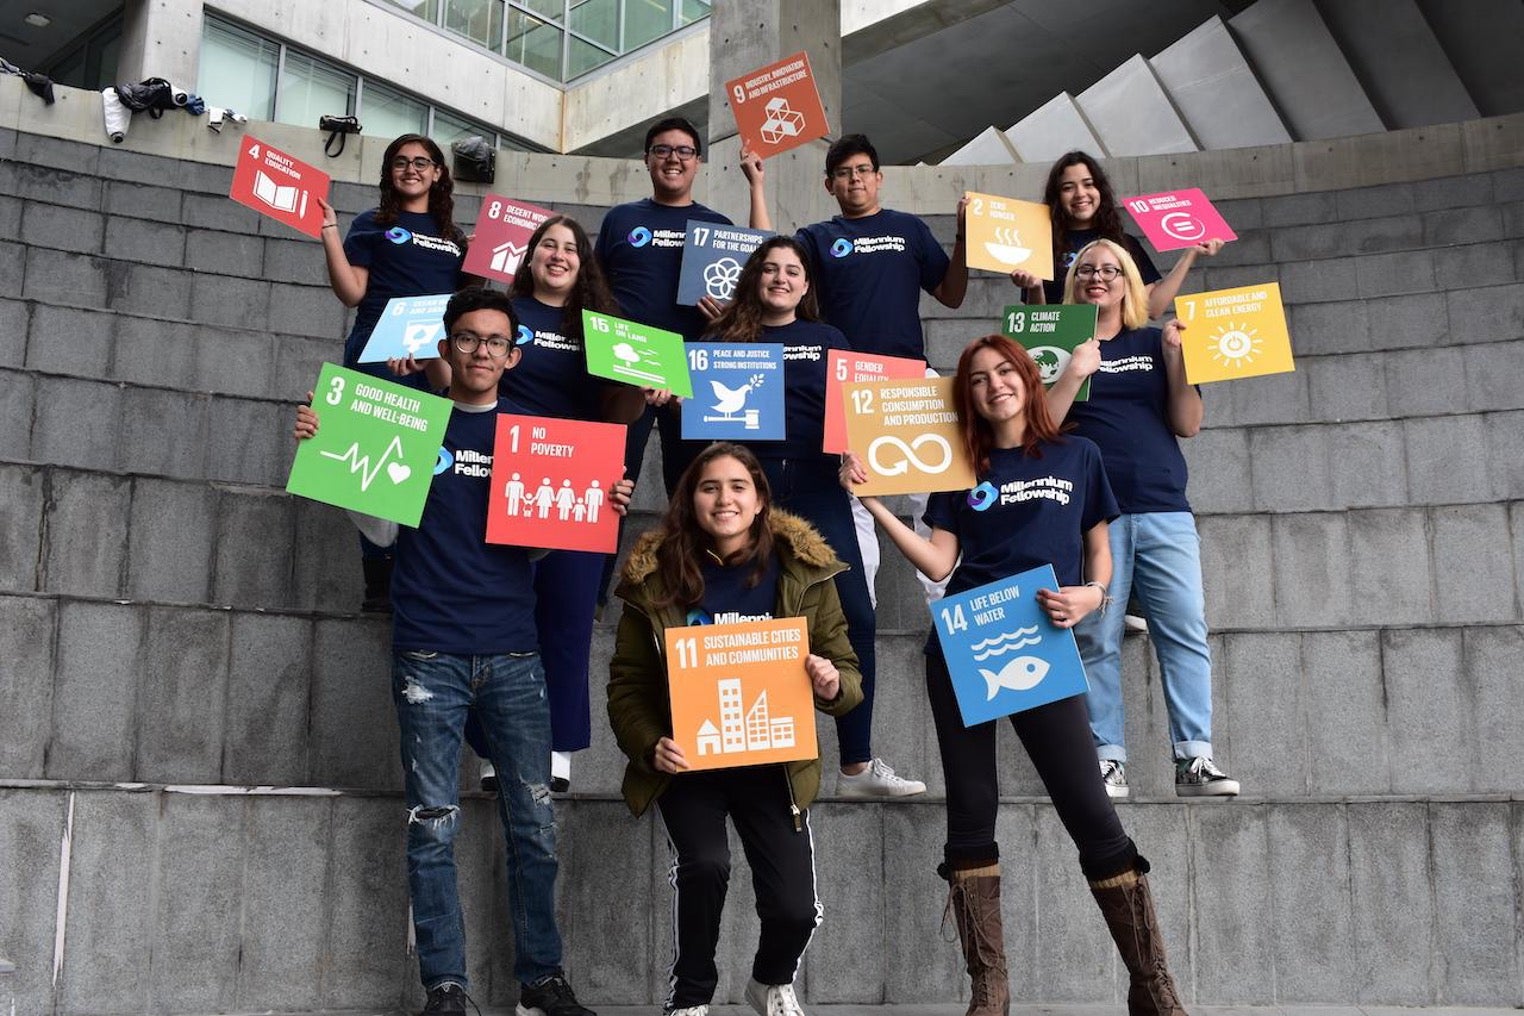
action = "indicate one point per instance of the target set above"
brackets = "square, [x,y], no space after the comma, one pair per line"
[871,265]
[464,650]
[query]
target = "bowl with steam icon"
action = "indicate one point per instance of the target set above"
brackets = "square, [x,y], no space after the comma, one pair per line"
[1006,247]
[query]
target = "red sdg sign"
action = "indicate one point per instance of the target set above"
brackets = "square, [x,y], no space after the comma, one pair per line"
[503,229]
[279,185]
[1178,219]
[551,481]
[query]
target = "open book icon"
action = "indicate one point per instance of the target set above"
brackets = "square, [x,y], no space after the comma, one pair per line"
[285,198]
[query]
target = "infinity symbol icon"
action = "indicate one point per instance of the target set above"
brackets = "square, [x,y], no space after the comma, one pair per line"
[908,451]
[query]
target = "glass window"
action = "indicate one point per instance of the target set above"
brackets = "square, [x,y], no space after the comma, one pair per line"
[534,43]
[428,10]
[645,21]
[449,128]
[481,21]
[310,89]
[691,11]
[238,70]
[550,10]
[582,57]
[598,20]
[386,112]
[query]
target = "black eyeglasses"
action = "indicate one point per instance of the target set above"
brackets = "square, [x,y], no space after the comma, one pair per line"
[684,152]
[468,342]
[848,172]
[1106,273]
[420,163]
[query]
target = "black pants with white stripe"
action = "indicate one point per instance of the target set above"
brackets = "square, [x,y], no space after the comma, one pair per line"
[782,859]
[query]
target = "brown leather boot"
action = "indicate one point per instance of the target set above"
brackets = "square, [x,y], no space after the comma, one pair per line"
[1129,911]
[974,900]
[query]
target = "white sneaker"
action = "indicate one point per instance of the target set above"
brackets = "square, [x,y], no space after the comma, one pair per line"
[692,1010]
[878,780]
[489,777]
[1132,624]
[1114,775]
[772,999]
[560,771]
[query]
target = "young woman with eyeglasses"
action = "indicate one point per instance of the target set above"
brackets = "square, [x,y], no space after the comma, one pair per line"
[408,245]
[1083,207]
[1140,405]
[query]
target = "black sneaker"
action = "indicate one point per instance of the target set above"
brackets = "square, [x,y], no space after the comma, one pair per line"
[1200,777]
[550,997]
[447,999]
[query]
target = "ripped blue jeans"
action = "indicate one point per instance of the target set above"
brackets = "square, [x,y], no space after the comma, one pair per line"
[505,695]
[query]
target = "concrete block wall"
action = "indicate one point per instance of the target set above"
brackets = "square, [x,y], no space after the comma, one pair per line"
[182,629]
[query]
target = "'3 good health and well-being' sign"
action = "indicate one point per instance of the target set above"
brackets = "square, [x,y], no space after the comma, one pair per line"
[739,692]
[738,392]
[375,448]
[1234,333]
[1003,653]
[908,436]
[635,354]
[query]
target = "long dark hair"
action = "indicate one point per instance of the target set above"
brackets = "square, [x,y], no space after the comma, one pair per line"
[591,291]
[741,320]
[1108,217]
[978,435]
[683,545]
[441,195]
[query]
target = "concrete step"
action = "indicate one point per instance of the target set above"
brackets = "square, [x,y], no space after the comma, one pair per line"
[1307,702]
[217,900]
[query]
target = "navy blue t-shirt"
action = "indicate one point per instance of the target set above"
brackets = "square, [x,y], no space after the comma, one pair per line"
[869,273]
[727,600]
[806,346]
[1038,514]
[408,259]
[1128,419]
[1074,242]
[551,377]
[452,592]
[640,246]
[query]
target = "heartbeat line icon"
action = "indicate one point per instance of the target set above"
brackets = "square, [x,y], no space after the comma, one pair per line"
[361,463]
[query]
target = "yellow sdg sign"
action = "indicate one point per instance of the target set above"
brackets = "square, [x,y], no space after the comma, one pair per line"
[1005,234]
[740,695]
[908,436]
[1234,333]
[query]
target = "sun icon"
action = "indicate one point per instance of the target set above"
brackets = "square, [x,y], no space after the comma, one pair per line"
[1235,345]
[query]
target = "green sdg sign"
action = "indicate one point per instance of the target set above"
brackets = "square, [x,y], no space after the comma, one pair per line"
[375,448]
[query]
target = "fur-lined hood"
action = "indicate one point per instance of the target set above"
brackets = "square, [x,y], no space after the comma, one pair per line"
[793,536]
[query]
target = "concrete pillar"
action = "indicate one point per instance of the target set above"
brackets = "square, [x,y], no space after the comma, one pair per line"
[161,39]
[743,37]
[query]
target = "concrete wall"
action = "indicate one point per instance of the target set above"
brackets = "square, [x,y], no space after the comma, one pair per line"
[179,629]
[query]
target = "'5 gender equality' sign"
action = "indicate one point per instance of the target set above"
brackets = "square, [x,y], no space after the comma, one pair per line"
[1003,653]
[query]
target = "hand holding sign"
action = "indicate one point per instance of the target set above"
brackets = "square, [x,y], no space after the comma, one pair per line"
[1051,334]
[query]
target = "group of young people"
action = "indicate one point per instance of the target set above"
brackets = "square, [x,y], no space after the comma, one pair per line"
[491,643]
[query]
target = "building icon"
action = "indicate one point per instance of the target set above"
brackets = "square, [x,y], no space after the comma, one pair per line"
[743,729]
[506,258]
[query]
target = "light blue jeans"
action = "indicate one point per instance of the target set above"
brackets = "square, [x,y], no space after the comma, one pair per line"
[505,697]
[1157,557]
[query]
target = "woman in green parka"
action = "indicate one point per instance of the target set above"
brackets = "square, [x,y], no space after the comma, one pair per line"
[723,554]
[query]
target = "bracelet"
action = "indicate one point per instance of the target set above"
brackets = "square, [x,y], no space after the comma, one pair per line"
[1105,599]
[330,225]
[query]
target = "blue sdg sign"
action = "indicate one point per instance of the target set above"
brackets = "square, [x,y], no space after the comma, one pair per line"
[408,326]
[1003,653]
[737,392]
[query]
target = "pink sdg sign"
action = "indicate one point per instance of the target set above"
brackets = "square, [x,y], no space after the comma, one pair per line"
[1178,219]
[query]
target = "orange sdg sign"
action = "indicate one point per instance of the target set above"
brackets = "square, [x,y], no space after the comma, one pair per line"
[778,107]
[908,436]
[1005,234]
[740,695]
[1234,333]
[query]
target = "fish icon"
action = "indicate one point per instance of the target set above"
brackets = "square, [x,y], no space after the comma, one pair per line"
[1020,674]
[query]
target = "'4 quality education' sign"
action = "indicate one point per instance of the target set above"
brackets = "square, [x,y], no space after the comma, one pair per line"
[279,185]
[738,392]
[408,326]
[712,260]
[1003,653]
[551,480]
[1050,334]
[636,354]
[375,448]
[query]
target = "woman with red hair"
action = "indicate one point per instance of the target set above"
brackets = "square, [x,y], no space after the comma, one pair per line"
[1000,529]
